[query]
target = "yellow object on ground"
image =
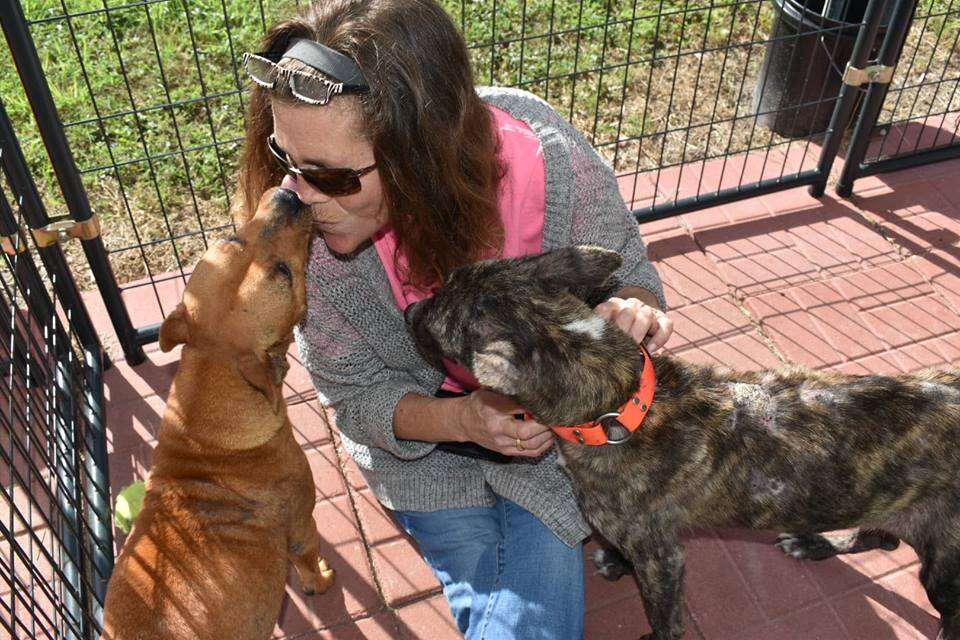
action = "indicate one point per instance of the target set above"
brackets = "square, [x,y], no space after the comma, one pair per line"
[128,505]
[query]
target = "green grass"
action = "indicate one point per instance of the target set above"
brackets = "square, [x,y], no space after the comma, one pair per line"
[130,84]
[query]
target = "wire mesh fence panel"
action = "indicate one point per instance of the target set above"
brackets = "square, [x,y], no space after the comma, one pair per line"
[670,92]
[685,98]
[921,111]
[152,101]
[55,547]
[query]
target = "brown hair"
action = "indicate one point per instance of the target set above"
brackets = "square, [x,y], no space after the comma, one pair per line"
[432,135]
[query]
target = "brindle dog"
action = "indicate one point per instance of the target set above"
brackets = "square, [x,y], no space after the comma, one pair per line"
[792,449]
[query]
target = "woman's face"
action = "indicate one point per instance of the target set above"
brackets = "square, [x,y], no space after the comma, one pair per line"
[330,136]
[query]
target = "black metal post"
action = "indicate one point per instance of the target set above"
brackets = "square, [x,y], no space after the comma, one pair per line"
[27,61]
[724,196]
[62,426]
[905,162]
[35,215]
[86,552]
[847,101]
[876,93]
[97,484]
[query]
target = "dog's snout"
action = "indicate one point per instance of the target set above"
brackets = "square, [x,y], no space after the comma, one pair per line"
[288,202]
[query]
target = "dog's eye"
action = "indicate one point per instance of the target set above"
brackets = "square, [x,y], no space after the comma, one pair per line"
[284,270]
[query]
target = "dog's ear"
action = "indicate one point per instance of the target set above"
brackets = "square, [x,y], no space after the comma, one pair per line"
[493,368]
[261,374]
[583,270]
[174,329]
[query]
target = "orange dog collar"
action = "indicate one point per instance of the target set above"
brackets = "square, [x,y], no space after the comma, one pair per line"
[630,415]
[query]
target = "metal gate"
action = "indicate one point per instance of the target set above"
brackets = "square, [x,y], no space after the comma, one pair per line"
[914,120]
[673,93]
[56,552]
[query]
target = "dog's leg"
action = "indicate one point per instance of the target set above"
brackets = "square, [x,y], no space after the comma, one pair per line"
[658,562]
[820,546]
[315,575]
[940,574]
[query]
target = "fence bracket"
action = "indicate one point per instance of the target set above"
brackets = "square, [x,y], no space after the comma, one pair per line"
[13,245]
[877,73]
[64,228]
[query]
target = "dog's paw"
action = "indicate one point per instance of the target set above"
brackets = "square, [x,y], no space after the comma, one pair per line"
[319,581]
[610,564]
[806,546]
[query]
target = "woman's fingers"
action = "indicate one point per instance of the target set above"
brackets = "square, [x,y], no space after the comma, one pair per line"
[659,332]
[538,442]
[525,438]
[646,325]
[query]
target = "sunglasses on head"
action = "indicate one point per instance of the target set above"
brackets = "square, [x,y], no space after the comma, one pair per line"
[337,73]
[332,182]
[304,86]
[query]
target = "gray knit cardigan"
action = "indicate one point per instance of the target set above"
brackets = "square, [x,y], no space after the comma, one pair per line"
[362,360]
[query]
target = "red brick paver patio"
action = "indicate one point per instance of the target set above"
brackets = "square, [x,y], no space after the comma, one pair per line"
[871,285]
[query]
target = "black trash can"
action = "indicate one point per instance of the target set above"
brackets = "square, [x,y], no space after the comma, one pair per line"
[804,62]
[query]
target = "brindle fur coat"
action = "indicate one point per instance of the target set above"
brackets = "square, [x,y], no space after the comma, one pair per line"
[794,450]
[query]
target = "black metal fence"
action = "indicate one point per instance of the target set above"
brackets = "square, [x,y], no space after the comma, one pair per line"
[914,119]
[694,102]
[56,551]
[139,107]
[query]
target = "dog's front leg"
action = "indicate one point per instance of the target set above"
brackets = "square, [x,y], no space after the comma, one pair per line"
[304,552]
[658,562]
[304,539]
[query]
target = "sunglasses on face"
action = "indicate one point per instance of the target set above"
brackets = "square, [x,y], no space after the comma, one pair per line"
[332,182]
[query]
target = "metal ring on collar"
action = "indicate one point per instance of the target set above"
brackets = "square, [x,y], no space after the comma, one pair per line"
[602,421]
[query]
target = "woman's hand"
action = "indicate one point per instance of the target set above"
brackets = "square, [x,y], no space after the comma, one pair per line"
[647,325]
[488,418]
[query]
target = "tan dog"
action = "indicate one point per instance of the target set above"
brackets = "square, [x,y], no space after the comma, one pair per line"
[230,497]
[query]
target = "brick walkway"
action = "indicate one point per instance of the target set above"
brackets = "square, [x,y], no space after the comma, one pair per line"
[871,285]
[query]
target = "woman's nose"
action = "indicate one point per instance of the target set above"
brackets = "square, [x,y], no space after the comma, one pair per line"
[304,190]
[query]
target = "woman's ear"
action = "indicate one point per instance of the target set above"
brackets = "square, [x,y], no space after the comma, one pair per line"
[174,329]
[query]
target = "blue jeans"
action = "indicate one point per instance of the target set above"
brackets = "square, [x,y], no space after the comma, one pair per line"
[504,573]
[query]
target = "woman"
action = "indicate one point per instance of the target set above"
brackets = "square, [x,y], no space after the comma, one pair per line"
[367,109]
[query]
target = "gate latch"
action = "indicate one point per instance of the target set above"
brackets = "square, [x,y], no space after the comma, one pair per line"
[879,73]
[63,228]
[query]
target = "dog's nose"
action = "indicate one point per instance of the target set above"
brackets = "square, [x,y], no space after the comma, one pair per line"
[288,201]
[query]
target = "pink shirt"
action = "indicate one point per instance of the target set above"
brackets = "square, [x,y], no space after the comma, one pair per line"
[521,198]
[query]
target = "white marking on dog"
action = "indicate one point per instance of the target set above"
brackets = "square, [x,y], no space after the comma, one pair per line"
[493,368]
[560,459]
[754,399]
[592,326]
[940,392]
[763,487]
[815,396]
